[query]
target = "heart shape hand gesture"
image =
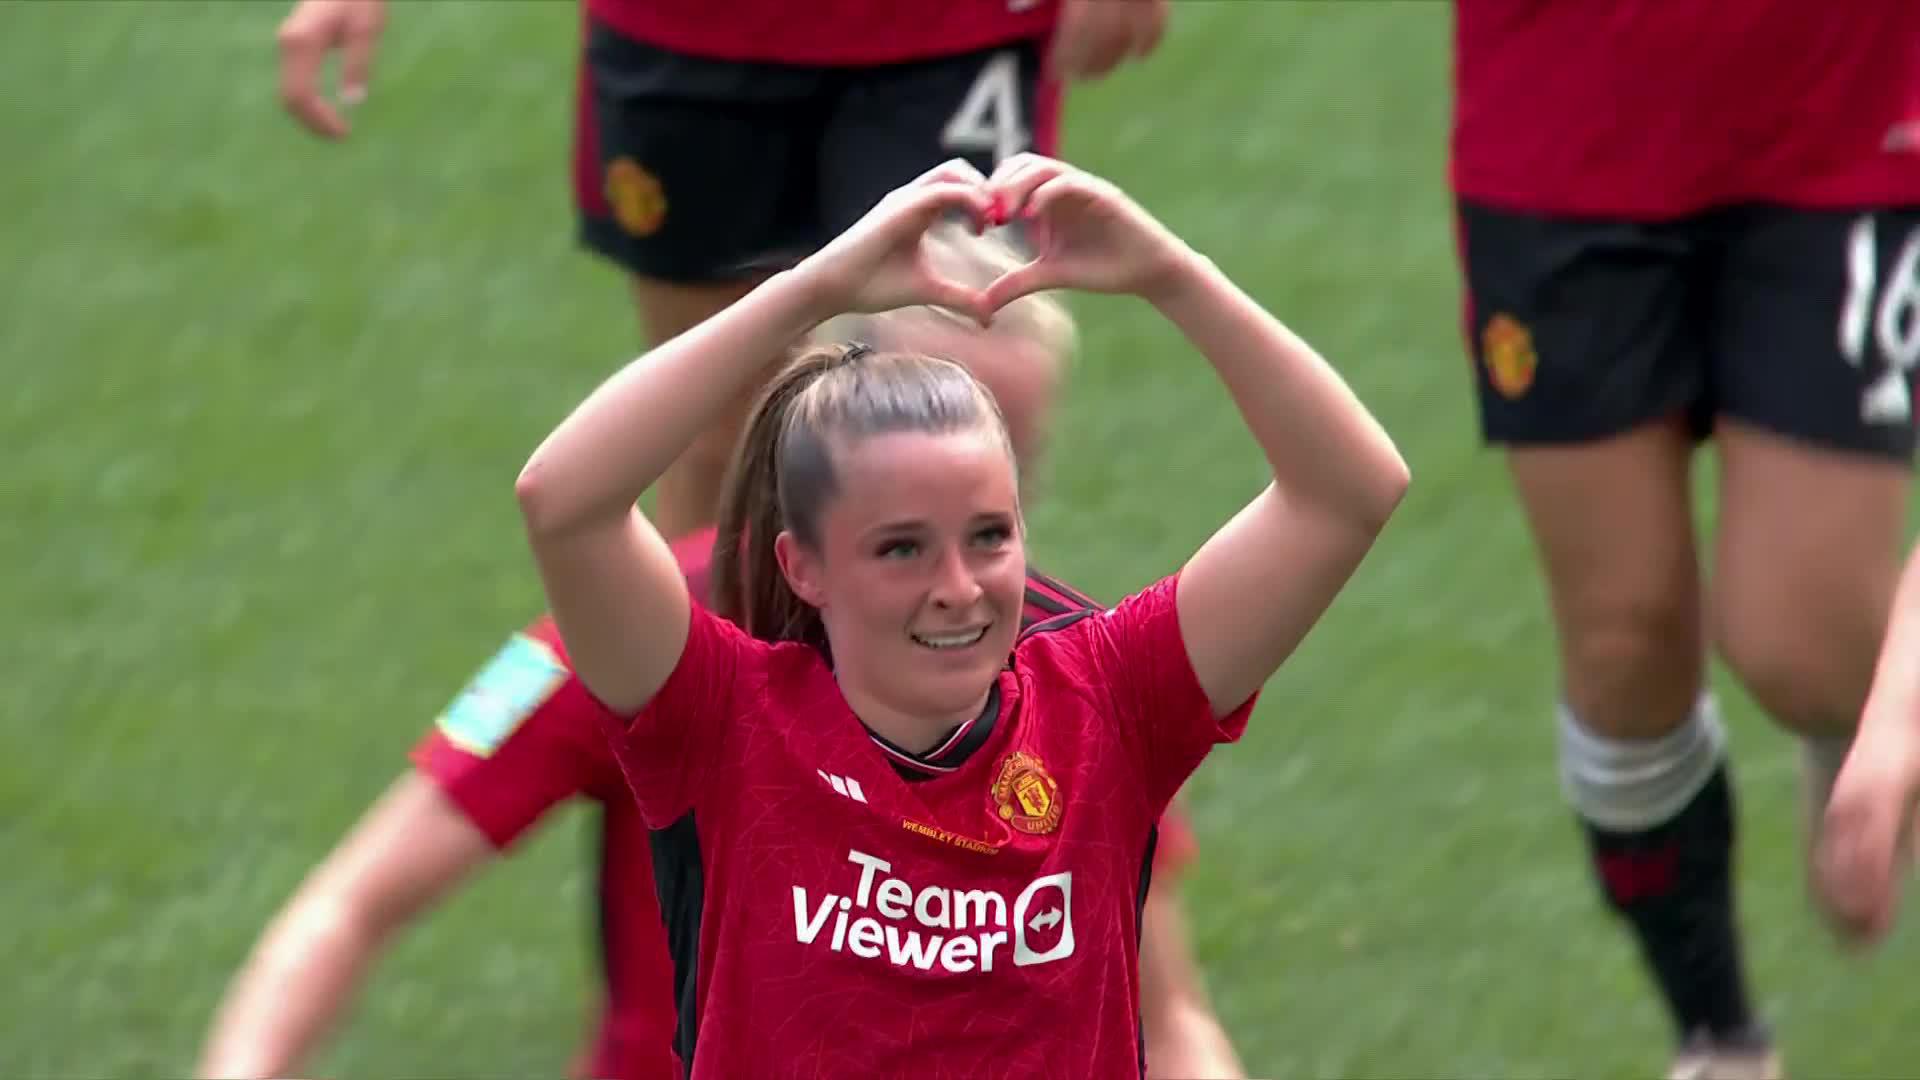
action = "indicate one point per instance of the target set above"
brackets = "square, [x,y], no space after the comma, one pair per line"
[1087,235]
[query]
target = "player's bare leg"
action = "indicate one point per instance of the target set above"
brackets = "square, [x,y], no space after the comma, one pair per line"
[688,495]
[1808,558]
[1642,750]
[1185,1038]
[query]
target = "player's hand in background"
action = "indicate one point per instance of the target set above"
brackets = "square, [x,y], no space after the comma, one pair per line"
[1866,843]
[1093,37]
[310,33]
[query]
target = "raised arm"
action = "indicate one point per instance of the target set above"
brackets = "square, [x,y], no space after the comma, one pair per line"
[613,586]
[612,583]
[1252,592]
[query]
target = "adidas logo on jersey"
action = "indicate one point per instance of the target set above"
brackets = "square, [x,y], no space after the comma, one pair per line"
[845,785]
[951,930]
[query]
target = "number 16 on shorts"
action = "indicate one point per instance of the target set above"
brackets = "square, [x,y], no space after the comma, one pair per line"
[1882,317]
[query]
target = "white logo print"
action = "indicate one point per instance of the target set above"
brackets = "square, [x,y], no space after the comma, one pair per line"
[1050,911]
[845,785]
[1882,317]
[957,930]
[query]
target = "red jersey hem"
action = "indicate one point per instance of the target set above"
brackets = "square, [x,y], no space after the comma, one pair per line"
[716,40]
[1835,197]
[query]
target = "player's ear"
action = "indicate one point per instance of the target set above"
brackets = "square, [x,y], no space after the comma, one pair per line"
[801,568]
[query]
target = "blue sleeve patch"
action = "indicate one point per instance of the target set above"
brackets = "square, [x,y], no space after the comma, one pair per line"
[519,679]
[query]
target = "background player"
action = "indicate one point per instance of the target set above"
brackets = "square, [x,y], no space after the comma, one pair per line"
[485,779]
[893,520]
[714,138]
[1706,225]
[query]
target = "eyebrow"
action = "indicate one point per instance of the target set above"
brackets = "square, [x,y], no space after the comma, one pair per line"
[901,526]
[907,525]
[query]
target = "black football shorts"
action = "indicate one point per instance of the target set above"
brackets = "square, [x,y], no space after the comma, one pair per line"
[694,170]
[1804,323]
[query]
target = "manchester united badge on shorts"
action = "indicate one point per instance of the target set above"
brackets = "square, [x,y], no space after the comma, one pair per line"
[1028,798]
[639,202]
[1507,346]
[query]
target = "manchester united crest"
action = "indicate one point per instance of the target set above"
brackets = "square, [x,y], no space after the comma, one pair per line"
[638,201]
[1507,346]
[1028,798]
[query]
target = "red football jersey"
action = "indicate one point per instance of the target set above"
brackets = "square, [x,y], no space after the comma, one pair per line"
[1658,108]
[525,737]
[983,922]
[827,33]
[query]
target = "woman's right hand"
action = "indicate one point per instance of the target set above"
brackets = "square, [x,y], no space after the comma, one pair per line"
[878,264]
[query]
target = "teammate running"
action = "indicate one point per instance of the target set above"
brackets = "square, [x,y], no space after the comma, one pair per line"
[1683,219]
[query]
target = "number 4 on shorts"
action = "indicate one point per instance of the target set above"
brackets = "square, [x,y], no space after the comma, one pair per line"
[990,120]
[1887,317]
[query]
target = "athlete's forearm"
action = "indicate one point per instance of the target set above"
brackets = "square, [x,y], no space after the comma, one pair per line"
[1325,448]
[1893,704]
[300,976]
[619,441]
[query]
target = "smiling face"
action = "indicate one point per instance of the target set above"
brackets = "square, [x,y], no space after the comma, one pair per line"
[919,573]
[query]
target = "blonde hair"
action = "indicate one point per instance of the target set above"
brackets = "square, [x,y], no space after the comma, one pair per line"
[975,261]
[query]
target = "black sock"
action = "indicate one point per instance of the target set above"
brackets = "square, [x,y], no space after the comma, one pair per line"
[1673,883]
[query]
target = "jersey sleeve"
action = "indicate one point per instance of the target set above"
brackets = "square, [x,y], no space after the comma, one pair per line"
[1136,653]
[521,738]
[670,751]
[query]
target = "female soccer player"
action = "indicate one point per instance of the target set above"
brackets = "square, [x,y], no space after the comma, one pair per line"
[1640,279]
[983,921]
[485,778]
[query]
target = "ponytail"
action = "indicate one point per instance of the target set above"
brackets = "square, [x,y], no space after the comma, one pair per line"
[747,586]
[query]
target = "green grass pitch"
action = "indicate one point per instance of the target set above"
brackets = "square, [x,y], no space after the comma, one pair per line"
[265,398]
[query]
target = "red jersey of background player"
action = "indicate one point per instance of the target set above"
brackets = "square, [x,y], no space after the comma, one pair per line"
[826,33]
[865,912]
[1659,108]
[525,738]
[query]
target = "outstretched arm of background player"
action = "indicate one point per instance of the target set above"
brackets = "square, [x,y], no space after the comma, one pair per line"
[405,855]
[1185,1039]
[613,585]
[1866,838]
